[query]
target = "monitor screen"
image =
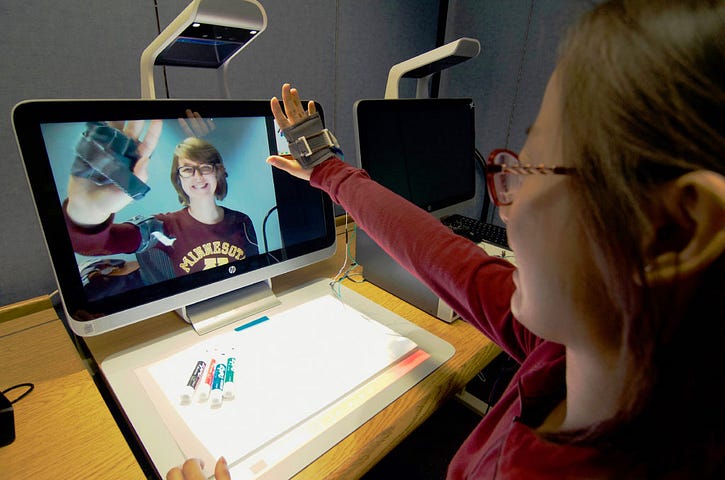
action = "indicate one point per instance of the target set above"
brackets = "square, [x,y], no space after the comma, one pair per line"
[422,149]
[151,205]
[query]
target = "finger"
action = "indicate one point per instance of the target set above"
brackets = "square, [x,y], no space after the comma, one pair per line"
[175,474]
[117,125]
[290,166]
[292,106]
[297,110]
[282,162]
[311,108]
[208,124]
[146,148]
[134,128]
[197,123]
[278,113]
[192,469]
[185,127]
[221,470]
[141,169]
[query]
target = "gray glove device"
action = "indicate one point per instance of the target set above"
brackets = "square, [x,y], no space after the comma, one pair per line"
[310,143]
[105,156]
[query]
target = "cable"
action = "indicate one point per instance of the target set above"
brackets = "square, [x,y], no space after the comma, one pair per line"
[435,81]
[158,32]
[520,72]
[336,51]
[346,273]
[30,387]
[335,279]
[264,233]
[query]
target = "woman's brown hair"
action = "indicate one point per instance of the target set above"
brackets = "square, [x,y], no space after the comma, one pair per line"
[642,103]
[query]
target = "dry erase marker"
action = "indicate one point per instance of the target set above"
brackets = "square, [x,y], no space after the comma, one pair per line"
[188,391]
[229,380]
[217,384]
[205,387]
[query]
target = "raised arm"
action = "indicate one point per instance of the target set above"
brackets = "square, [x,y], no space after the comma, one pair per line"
[476,285]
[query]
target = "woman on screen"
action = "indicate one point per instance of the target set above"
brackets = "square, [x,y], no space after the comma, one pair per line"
[199,236]
[615,209]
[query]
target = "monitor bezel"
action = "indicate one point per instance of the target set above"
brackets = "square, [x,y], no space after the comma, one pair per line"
[92,318]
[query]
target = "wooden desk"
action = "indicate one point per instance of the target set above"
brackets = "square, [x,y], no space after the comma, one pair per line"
[352,457]
[63,429]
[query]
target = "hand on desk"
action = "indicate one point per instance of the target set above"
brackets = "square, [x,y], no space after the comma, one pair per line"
[191,470]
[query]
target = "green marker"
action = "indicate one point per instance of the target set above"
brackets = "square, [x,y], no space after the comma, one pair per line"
[229,380]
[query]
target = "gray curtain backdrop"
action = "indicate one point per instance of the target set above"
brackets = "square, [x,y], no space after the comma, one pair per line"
[334,51]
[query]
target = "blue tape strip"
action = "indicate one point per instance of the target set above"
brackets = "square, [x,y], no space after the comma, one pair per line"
[251,324]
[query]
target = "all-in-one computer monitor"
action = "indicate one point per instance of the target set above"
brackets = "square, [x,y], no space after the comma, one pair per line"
[423,150]
[152,255]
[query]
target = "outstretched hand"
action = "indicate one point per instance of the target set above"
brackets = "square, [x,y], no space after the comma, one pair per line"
[293,113]
[91,204]
[133,130]
[194,125]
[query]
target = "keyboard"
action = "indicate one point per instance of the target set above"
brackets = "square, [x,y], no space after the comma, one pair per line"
[476,230]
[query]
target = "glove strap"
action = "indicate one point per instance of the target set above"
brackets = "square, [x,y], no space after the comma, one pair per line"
[105,156]
[310,143]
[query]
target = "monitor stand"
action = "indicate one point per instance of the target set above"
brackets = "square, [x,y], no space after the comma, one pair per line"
[216,312]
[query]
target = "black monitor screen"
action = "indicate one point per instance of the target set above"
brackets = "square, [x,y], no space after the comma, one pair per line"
[422,149]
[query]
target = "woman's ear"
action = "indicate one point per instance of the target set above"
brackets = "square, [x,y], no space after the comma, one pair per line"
[689,234]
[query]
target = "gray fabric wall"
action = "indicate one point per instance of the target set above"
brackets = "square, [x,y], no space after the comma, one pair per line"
[334,51]
[508,54]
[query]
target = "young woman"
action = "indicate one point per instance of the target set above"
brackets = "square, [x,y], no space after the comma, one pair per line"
[199,236]
[615,209]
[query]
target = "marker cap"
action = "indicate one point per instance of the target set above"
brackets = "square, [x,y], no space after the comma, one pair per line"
[186,393]
[215,397]
[204,389]
[229,390]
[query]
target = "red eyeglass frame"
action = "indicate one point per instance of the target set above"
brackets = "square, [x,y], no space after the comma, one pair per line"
[521,169]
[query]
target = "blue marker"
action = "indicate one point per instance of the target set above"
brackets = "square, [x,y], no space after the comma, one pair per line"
[229,380]
[217,384]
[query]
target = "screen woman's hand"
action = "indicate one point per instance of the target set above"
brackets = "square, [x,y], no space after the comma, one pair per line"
[91,204]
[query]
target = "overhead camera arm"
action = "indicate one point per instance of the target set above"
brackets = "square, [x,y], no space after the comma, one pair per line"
[425,65]
[206,34]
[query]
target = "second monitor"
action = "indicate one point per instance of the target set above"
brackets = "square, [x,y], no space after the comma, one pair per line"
[423,150]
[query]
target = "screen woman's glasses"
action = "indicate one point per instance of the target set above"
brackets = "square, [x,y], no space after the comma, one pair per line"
[504,175]
[188,171]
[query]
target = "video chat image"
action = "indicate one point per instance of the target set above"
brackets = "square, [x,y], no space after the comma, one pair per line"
[147,201]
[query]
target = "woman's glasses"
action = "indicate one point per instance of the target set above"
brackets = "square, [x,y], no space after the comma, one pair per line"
[504,175]
[188,171]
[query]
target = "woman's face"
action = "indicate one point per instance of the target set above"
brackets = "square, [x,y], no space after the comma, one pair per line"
[558,292]
[197,185]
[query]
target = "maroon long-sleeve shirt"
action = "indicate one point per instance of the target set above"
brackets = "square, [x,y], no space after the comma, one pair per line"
[505,444]
[194,246]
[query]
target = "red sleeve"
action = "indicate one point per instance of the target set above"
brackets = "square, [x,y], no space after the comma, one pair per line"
[477,286]
[108,238]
